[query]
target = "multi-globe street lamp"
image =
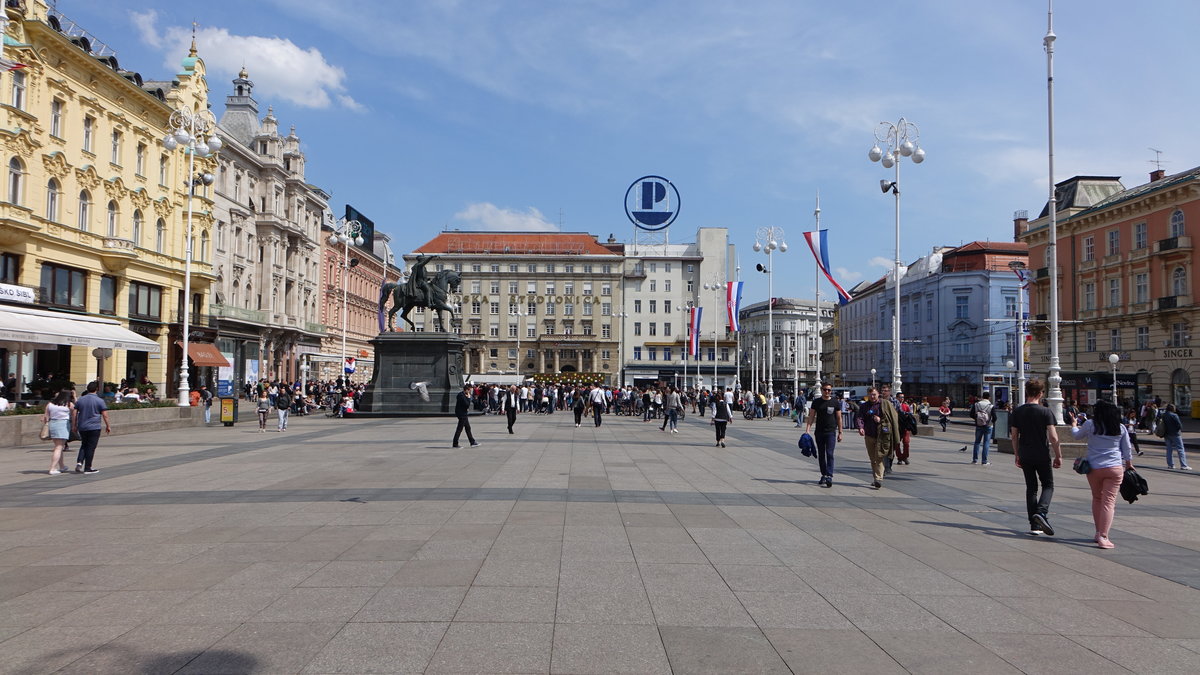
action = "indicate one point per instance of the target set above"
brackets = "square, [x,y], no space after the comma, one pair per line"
[195,133]
[768,240]
[346,232]
[900,140]
[715,284]
[1054,396]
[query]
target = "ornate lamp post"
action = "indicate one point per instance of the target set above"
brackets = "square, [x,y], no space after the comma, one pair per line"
[1017,266]
[346,232]
[194,133]
[1114,360]
[1054,397]
[767,240]
[872,378]
[900,139]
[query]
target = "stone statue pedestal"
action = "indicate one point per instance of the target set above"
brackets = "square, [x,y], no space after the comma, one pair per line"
[402,359]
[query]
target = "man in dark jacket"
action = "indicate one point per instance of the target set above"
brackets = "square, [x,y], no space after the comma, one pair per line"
[462,410]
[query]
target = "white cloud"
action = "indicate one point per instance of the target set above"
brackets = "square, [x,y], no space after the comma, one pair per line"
[488,216]
[277,66]
[880,261]
[845,276]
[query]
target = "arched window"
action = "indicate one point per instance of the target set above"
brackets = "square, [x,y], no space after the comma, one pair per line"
[114,215]
[85,209]
[160,235]
[203,247]
[1177,223]
[137,227]
[1179,281]
[233,299]
[53,196]
[16,180]
[249,296]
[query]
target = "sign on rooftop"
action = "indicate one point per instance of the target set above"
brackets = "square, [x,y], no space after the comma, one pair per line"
[652,203]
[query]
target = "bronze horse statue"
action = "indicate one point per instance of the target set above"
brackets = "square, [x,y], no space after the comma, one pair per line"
[437,298]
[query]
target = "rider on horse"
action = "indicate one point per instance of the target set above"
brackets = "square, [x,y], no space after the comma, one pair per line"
[418,280]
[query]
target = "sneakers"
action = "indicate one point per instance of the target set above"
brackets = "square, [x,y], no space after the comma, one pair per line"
[1103,542]
[674,431]
[876,485]
[974,461]
[722,444]
[1033,531]
[1040,521]
[475,445]
[54,472]
[456,445]
[987,463]
[1185,467]
[79,468]
[91,470]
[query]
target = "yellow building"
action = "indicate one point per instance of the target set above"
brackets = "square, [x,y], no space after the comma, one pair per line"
[94,208]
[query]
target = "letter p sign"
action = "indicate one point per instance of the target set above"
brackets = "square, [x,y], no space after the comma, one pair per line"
[652,203]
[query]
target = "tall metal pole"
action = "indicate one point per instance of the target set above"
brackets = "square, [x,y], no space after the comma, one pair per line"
[184,388]
[1054,395]
[737,374]
[345,310]
[897,385]
[817,307]
[1021,345]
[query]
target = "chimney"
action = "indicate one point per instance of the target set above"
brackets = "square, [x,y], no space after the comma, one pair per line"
[1020,224]
[1157,174]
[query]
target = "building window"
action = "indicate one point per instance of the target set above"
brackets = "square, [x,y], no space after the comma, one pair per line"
[667,329]
[1114,339]
[495,268]
[10,268]
[666,353]
[494,330]
[690,285]
[653,306]
[605,331]
[512,288]
[550,268]
[16,180]
[1089,296]
[1089,341]
[667,286]
[160,235]
[474,307]
[550,308]
[18,89]
[1114,292]
[53,196]
[666,306]
[637,306]
[531,287]
[56,108]
[1139,236]
[724,353]
[1010,344]
[64,286]
[587,309]
[114,217]
[569,288]
[494,287]
[140,159]
[493,307]
[653,328]
[137,227]
[162,176]
[1141,287]
[549,288]
[108,295]
[653,286]
[1143,337]
[1089,248]
[962,307]
[1179,281]
[115,158]
[605,289]
[1114,242]
[1179,336]
[532,269]
[929,310]
[712,353]
[549,328]
[637,327]
[569,269]
[637,353]
[204,247]
[1177,223]
[587,288]
[606,309]
[531,332]
[531,308]
[512,269]
[89,128]
[651,353]
[476,287]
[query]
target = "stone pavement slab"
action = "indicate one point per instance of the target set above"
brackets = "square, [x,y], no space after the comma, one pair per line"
[364,546]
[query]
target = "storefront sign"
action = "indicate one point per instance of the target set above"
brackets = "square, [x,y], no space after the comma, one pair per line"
[1177,353]
[10,293]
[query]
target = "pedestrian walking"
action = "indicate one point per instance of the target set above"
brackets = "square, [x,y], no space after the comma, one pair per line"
[283,406]
[673,405]
[597,399]
[1131,424]
[827,413]
[91,415]
[908,427]
[58,416]
[1034,436]
[1172,429]
[462,410]
[1109,453]
[983,413]
[944,415]
[509,404]
[722,416]
[880,428]
[263,407]
[206,398]
[578,404]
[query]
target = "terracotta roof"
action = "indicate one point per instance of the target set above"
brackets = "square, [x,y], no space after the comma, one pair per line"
[510,243]
[992,246]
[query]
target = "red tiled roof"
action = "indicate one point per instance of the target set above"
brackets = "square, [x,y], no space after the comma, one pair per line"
[502,243]
[995,246]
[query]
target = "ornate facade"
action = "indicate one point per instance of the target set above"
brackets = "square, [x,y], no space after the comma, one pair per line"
[267,250]
[93,211]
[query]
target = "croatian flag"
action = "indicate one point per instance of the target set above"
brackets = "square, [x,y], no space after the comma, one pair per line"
[1022,275]
[694,332]
[733,303]
[818,243]
[350,365]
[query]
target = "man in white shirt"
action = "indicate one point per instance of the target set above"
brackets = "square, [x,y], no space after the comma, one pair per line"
[596,396]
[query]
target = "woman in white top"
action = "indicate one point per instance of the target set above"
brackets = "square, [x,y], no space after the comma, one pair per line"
[1109,453]
[58,415]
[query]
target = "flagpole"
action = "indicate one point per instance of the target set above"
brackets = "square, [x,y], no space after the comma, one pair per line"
[817,307]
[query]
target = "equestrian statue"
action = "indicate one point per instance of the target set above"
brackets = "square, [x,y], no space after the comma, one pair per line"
[420,291]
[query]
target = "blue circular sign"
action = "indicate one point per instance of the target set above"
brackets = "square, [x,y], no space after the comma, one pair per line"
[652,203]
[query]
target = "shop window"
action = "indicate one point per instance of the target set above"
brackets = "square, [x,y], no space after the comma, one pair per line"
[64,286]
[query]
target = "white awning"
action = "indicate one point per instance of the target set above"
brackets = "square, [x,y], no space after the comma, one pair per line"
[23,324]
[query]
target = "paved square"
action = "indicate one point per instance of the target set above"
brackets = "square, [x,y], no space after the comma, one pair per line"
[371,546]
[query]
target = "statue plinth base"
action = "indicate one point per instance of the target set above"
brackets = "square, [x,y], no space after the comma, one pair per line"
[402,359]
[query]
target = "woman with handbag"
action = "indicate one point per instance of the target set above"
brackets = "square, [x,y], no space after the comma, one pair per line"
[1109,453]
[58,422]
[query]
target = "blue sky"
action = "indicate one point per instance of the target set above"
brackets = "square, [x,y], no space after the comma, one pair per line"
[471,114]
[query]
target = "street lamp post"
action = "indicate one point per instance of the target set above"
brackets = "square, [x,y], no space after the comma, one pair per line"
[872,378]
[1054,397]
[346,232]
[1011,367]
[188,131]
[1018,267]
[1114,360]
[621,343]
[716,285]
[900,139]
[767,240]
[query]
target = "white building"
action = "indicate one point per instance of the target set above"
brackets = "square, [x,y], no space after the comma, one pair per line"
[794,359]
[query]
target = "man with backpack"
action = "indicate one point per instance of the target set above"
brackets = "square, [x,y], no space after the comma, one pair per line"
[984,415]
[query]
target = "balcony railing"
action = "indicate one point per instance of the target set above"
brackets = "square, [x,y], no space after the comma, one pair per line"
[1174,302]
[196,319]
[1173,244]
[318,328]
[239,314]
[118,244]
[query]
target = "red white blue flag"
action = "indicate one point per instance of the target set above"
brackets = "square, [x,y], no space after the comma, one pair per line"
[818,243]
[733,303]
[350,365]
[694,331]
